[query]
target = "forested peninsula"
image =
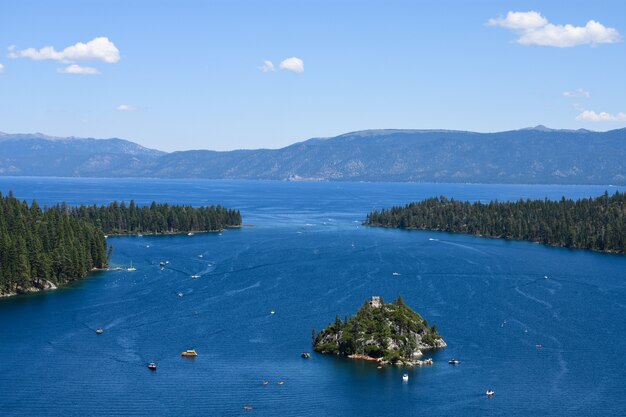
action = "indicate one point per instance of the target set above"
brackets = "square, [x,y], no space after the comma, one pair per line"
[42,248]
[597,224]
[121,219]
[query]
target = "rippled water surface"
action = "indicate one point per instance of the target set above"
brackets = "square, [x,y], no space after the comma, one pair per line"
[306,256]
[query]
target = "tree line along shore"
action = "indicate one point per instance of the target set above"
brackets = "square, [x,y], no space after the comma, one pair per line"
[597,224]
[42,248]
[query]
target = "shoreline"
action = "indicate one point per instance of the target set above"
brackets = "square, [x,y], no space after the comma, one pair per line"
[174,233]
[49,285]
[403,362]
[536,242]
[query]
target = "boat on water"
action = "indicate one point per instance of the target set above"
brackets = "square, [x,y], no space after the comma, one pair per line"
[454,361]
[131,267]
[162,264]
[152,366]
[201,256]
[190,353]
[405,377]
[396,274]
[189,234]
[247,407]
[281,382]
[195,276]
[490,393]
[266,382]
[272,312]
[180,294]
[305,355]
[99,331]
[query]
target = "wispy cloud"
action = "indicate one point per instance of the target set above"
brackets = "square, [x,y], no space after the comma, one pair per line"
[77,69]
[592,116]
[292,64]
[125,107]
[579,92]
[268,66]
[97,49]
[534,29]
[1,68]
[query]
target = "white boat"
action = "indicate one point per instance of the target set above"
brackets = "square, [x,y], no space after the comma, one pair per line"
[201,256]
[489,393]
[131,267]
[395,274]
[405,377]
[195,276]
[189,234]
[180,294]
[272,312]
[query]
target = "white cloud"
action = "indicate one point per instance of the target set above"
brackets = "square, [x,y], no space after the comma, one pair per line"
[292,64]
[592,116]
[520,20]
[534,29]
[1,68]
[267,66]
[98,49]
[77,69]
[579,92]
[125,107]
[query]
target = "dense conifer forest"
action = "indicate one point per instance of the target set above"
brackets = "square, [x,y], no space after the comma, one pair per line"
[39,247]
[58,244]
[592,223]
[119,218]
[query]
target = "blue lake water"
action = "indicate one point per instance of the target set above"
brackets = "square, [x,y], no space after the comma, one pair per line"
[306,256]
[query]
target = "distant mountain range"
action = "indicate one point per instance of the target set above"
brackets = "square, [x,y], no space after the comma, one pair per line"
[536,155]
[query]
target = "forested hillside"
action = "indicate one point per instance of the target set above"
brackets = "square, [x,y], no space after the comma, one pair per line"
[43,248]
[592,223]
[39,247]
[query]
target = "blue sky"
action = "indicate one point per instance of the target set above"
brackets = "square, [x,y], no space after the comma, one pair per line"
[188,74]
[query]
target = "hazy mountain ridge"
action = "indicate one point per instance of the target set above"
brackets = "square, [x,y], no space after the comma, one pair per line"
[531,155]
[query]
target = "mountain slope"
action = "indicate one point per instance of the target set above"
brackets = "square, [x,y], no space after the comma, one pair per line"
[534,155]
[41,155]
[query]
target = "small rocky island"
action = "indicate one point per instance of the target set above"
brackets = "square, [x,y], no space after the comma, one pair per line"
[387,333]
